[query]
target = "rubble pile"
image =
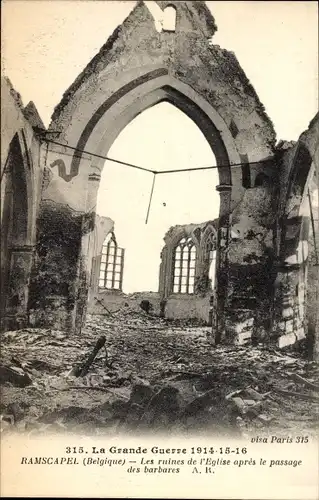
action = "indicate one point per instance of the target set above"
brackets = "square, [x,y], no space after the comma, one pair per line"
[133,372]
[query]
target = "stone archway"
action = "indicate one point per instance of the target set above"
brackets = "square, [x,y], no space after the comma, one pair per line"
[137,68]
[16,228]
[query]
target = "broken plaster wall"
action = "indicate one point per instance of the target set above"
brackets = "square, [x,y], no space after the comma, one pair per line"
[137,68]
[21,184]
[312,292]
[250,257]
[113,301]
[165,303]
[296,285]
[259,228]
[184,307]
[60,275]
[198,304]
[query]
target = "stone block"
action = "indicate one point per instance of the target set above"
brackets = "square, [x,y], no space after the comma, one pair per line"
[250,322]
[289,326]
[243,325]
[281,326]
[286,340]
[300,334]
[243,338]
[288,313]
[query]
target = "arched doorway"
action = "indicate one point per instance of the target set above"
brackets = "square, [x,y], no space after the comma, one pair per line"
[16,249]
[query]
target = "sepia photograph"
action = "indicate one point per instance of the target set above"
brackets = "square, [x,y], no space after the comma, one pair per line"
[159,249]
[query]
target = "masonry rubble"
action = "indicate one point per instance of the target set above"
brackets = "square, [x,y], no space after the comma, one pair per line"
[263,277]
[188,385]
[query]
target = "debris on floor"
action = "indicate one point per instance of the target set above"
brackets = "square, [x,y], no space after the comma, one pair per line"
[137,372]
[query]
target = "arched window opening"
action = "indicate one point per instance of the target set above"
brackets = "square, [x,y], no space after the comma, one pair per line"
[184,266]
[169,18]
[112,265]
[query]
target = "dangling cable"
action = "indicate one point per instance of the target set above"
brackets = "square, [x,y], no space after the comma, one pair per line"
[151,196]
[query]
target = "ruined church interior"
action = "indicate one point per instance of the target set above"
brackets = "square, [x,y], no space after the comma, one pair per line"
[151,279]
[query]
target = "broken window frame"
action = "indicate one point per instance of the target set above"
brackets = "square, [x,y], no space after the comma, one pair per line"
[186,247]
[110,277]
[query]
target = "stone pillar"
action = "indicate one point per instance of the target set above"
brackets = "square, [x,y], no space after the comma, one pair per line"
[58,270]
[222,261]
[16,307]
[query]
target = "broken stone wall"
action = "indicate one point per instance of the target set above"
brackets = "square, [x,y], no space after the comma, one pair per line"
[195,305]
[294,283]
[111,301]
[60,277]
[166,303]
[183,306]
[21,184]
[262,272]
[312,295]
[250,257]
[137,68]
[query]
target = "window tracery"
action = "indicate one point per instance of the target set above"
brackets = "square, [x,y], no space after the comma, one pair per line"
[112,264]
[184,266]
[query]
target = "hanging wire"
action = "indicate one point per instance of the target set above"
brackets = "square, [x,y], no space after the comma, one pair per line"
[155,172]
[82,151]
[151,196]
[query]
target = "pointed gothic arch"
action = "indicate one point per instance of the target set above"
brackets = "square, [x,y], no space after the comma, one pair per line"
[114,114]
[16,233]
[137,68]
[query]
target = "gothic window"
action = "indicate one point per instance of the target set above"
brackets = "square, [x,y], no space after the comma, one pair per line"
[184,266]
[112,263]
